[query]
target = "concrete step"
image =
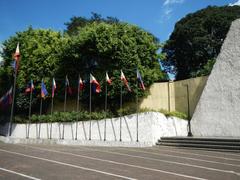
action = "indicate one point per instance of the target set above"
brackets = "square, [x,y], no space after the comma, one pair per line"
[199,142]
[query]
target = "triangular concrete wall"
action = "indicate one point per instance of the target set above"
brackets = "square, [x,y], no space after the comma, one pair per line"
[218,110]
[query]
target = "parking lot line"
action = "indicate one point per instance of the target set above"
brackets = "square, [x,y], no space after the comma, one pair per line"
[181,157]
[67,164]
[19,174]
[115,162]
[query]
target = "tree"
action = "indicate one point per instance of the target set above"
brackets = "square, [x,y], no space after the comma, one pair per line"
[197,39]
[101,47]
[79,22]
[39,51]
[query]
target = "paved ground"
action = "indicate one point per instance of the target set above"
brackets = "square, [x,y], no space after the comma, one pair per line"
[81,162]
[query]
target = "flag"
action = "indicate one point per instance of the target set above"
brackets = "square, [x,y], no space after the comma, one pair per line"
[16,58]
[54,87]
[81,84]
[140,81]
[67,85]
[123,78]
[7,98]
[30,87]
[44,92]
[95,84]
[17,53]
[108,80]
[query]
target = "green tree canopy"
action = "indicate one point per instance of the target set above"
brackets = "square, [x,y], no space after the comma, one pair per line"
[39,51]
[78,22]
[101,47]
[197,39]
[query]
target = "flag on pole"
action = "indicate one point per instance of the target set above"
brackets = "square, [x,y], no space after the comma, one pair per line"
[16,57]
[81,83]
[54,87]
[17,53]
[30,87]
[7,98]
[67,85]
[140,81]
[95,85]
[44,92]
[123,78]
[108,80]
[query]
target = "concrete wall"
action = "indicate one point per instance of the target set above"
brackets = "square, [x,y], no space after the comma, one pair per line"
[218,111]
[172,96]
[152,126]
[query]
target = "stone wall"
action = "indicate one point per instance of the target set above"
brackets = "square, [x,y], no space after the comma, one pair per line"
[218,111]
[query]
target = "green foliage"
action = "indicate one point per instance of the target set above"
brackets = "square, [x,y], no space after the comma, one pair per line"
[207,68]
[64,117]
[180,115]
[100,47]
[197,38]
[79,22]
[39,51]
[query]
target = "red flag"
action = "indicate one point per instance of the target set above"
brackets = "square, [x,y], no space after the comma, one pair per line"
[96,85]
[108,80]
[123,78]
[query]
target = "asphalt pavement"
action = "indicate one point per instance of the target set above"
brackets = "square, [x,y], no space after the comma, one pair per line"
[37,161]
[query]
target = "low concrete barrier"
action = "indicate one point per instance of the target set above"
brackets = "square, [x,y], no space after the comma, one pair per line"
[151,126]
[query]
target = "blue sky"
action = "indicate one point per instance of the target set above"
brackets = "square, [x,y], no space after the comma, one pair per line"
[155,16]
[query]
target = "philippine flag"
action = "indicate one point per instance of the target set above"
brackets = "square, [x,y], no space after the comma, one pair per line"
[108,80]
[140,81]
[44,92]
[95,84]
[123,78]
[30,87]
[54,87]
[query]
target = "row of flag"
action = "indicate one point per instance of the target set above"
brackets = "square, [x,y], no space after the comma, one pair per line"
[94,83]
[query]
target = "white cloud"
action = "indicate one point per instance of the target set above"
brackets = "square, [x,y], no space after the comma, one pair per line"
[169,2]
[235,4]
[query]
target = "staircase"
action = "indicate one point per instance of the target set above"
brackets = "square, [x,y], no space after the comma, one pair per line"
[201,142]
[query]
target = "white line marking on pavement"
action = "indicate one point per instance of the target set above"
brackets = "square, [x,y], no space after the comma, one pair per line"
[20,174]
[172,162]
[66,164]
[188,153]
[114,162]
[181,157]
[213,151]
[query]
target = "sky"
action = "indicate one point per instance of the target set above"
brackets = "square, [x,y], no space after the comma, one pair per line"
[156,16]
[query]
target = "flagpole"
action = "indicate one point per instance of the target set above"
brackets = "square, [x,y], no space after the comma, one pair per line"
[40,113]
[105,122]
[78,98]
[121,114]
[30,110]
[12,107]
[51,121]
[137,109]
[90,108]
[64,108]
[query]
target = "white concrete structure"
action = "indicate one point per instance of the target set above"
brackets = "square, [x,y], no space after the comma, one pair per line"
[152,126]
[218,111]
